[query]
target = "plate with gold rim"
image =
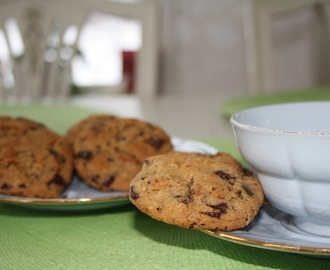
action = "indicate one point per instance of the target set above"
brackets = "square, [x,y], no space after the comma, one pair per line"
[80,196]
[275,230]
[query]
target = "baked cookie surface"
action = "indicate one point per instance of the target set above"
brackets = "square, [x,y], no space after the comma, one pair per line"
[34,161]
[197,191]
[109,151]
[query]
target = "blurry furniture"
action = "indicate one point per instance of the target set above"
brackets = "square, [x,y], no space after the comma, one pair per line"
[259,51]
[41,38]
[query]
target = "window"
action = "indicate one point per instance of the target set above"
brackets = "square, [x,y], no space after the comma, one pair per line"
[104,42]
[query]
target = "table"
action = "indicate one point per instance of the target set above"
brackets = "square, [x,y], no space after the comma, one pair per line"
[125,238]
[234,105]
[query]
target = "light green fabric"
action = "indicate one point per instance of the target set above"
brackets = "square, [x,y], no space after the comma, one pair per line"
[231,106]
[57,117]
[123,237]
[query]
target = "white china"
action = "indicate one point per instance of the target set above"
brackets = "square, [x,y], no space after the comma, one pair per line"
[275,230]
[288,146]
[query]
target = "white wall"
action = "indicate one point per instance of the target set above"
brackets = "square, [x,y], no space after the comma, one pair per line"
[203,48]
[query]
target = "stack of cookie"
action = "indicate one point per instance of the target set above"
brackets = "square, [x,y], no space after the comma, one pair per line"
[191,190]
[105,151]
[197,191]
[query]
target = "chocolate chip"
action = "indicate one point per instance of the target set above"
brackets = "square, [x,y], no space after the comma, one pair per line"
[59,157]
[98,147]
[37,126]
[222,207]
[95,178]
[22,186]
[187,199]
[133,194]
[248,190]
[110,159]
[213,214]
[156,143]
[57,180]
[247,172]
[6,186]
[239,194]
[192,225]
[223,175]
[189,196]
[87,155]
[95,130]
[121,138]
[109,181]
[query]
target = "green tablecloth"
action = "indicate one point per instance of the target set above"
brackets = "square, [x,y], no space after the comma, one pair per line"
[233,105]
[124,238]
[57,117]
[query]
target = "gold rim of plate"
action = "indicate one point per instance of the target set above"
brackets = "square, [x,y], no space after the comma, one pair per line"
[269,245]
[61,201]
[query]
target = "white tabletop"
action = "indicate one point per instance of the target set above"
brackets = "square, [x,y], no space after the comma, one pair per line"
[180,115]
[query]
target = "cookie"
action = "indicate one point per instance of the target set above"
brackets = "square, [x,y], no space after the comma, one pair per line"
[34,161]
[109,151]
[197,191]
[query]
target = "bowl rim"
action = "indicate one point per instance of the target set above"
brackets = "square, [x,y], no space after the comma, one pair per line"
[253,128]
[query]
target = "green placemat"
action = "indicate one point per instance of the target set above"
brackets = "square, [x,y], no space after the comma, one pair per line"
[226,145]
[57,117]
[124,238]
[231,106]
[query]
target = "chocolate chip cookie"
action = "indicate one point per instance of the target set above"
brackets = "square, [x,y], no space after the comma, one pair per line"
[109,150]
[34,161]
[197,191]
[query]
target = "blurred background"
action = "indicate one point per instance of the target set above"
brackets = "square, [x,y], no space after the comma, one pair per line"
[204,47]
[174,62]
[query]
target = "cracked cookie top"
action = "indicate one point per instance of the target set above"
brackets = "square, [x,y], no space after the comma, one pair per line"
[197,191]
[109,150]
[34,161]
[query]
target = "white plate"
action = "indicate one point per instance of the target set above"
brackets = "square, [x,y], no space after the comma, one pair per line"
[79,196]
[275,230]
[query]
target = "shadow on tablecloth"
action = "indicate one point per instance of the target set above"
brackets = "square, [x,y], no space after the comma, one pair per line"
[196,240]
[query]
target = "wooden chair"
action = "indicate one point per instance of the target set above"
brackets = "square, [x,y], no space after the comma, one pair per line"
[41,39]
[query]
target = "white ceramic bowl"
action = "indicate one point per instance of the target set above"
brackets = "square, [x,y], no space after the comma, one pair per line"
[288,146]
